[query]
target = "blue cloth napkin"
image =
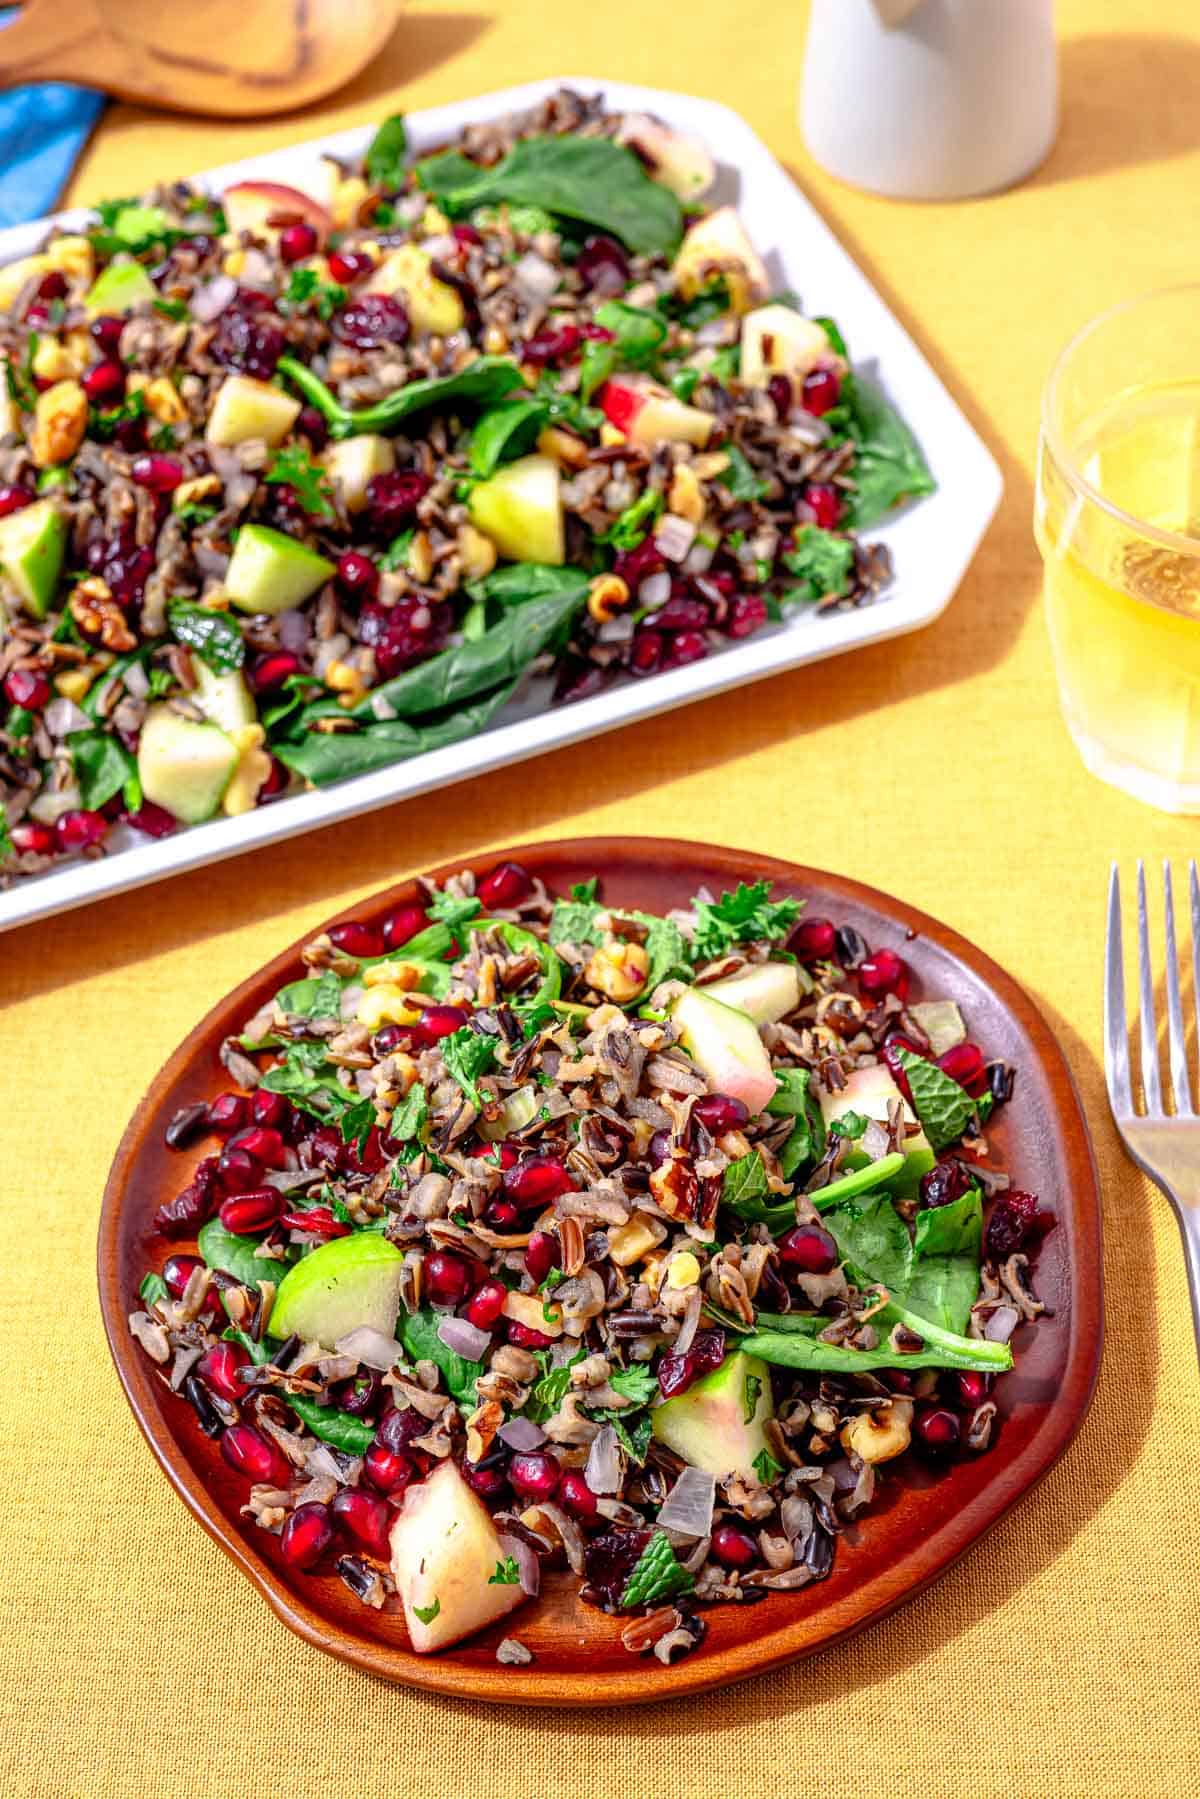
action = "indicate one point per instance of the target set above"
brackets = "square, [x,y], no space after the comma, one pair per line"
[42,130]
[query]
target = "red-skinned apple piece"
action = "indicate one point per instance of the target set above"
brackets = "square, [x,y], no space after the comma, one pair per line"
[649,414]
[265,207]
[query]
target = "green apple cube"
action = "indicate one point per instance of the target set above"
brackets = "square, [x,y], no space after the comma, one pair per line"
[724,1043]
[271,572]
[445,1552]
[32,543]
[768,991]
[245,408]
[184,765]
[520,509]
[346,1283]
[351,464]
[121,287]
[224,698]
[717,1424]
[871,1093]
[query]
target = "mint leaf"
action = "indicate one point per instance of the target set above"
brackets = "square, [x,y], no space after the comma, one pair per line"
[214,636]
[152,1288]
[657,1575]
[102,764]
[944,1108]
[850,1125]
[634,1438]
[467,1055]
[427,1613]
[356,1123]
[744,1180]
[507,1575]
[821,561]
[766,1467]
[747,916]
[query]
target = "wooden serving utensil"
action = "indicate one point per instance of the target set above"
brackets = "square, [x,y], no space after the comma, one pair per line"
[231,58]
[894,12]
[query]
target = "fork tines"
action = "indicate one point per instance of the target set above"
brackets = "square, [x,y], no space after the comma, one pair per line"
[1121,1092]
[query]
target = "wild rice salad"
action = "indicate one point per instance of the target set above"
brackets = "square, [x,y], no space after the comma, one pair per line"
[296,483]
[542,1231]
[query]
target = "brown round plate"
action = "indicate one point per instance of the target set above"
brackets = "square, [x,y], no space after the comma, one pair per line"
[923,1521]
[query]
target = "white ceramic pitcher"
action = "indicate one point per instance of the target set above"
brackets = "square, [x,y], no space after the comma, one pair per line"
[958,97]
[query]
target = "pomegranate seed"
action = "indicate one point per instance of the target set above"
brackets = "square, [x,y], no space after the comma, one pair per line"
[360,940]
[14,499]
[677,1372]
[228,1113]
[747,614]
[646,654]
[465,234]
[271,1109]
[809,1248]
[161,474]
[306,1535]
[973,1388]
[221,1367]
[813,940]
[33,839]
[366,1517]
[637,565]
[897,1381]
[658,1148]
[360,1396]
[310,424]
[685,647]
[348,266]
[152,820]
[27,687]
[447,1279]
[506,887]
[486,1304]
[104,381]
[602,264]
[106,332]
[502,1215]
[535,1476]
[943,1184]
[733,1547]
[682,613]
[237,1171]
[402,924]
[554,346]
[323,1148]
[52,286]
[884,973]
[965,1064]
[525,1338]
[318,1221]
[504,1155]
[779,392]
[576,1498]
[387,1471]
[372,322]
[296,242]
[720,1112]
[80,830]
[820,391]
[358,575]
[247,1451]
[392,500]
[272,670]
[398,1427]
[825,502]
[266,1146]
[440,1021]
[490,1483]
[538,1181]
[937,1430]
[249,1214]
[177,1271]
[542,1253]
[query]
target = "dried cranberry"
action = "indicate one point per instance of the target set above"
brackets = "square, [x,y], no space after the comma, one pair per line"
[637,565]
[895,1045]
[194,1206]
[682,613]
[965,1064]
[677,1372]
[372,321]
[27,687]
[402,634]
[602,264]
[826,503]
[247,338]
[610,1559]
[685,647]
[506,886]
[392,499]
[311,424]
[779,392]
[348,266]
[813,940]
[465,234]
[646,655]
[552,347]
[1014,1222]
[152,820]
[13,499]
[747,614]
[820,391]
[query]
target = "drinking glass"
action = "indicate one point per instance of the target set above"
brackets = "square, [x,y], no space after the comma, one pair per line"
[1118,524]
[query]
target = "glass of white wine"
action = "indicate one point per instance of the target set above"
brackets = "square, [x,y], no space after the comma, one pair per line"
[1118,525]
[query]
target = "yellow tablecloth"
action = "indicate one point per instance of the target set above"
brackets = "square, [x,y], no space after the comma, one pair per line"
[1059,1656]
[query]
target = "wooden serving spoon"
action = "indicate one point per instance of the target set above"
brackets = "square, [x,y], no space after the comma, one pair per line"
[232,58]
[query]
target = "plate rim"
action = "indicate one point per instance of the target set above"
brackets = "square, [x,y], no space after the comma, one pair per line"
[733,139]
[865,1606]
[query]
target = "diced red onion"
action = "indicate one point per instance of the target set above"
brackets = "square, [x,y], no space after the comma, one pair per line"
[295,631]
[321,1460]
[603,1470]
[212,297]
[381,706]
[688,1507]
[369,1346]
[699,558]
[534,277]
[617,630]
[674,537]
[48,807]
[464,1338]
[655,590]
[332,650]
[63,715]
[1001,1324]
[714,331]
[528,1566]
[521,1435]
[137,681]
[256,269]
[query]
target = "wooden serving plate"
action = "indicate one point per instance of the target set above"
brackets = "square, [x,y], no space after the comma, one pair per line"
[924,1520]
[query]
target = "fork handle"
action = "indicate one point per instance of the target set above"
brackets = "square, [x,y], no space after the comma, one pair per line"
[1189,1230]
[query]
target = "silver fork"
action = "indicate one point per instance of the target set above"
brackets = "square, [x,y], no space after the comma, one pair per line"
[1165,1145]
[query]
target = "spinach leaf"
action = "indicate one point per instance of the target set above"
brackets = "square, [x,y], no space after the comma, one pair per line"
[505,430]
[467,1054]
[318,996]
[953,1230]
[152,1287]
[309,1080]
[944,1108]
[684,384]
[747,916]
[102,766]
[384,161]
[795,1349]
[888,463]
[235,1255]
[419,1332]
[795,1098]
[340,1429]
[821,561]
[859,1180]
[591,179]
[637,337]
[470,668]
[523,942]
[739,477]
[215,637]
[945,1277]
[323,758]
[483,382]
[518,582]
[408,1120]
[872,1236]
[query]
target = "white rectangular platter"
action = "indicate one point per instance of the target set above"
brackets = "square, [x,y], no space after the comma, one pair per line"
[932,541]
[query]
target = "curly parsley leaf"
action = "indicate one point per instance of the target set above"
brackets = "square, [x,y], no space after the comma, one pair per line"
[152,1288]
[747,916]
[295,466]
[850,1125]
[740,477]
[585,890]
[637,1383]
[408,1120]
[306,285]
[356,1123]
[214,636]
[467,1055]
[452,909]
[821,561]
[549,1392]
[766,1467]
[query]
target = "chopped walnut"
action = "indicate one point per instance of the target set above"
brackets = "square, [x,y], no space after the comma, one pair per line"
[98,616]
